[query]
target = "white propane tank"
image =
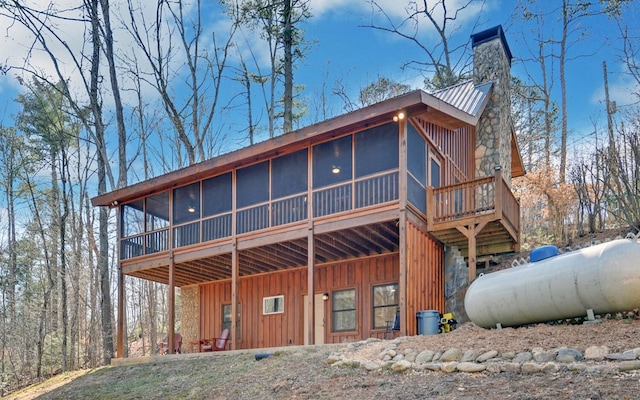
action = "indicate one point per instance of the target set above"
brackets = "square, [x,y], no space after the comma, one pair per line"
[604,278]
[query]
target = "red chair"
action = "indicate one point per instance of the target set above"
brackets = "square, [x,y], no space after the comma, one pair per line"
[177,344]
[215,344]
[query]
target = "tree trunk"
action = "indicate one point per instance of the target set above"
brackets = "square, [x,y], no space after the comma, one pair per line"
[287,40]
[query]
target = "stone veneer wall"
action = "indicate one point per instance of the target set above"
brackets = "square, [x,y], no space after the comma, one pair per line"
[190,313]
[493,135]
[456,278]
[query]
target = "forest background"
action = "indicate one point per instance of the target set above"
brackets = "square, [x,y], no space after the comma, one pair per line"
[100,94]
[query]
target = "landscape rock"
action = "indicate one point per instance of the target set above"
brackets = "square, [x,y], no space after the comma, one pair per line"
[523,357]
[425,356]
[400,366]
[542,356]
[628,365]
[569,356]
[449,366]
[596,352]
[487,356]
[453,354]
[471,367]
[530,368]
[469,356]
[510,367]
[620,357]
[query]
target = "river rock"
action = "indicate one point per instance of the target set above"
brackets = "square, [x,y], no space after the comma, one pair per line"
[453,354]
[569,356]
[469,356]
[425,356]
[523,357]
[596,352]
[470,367]
[400,366]
[487,356]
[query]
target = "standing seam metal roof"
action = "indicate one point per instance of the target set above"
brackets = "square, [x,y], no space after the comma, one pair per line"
[465,96]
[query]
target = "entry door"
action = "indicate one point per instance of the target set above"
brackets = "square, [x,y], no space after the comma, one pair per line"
[319,319]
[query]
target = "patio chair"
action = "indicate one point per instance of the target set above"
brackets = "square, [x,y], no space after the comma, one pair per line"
[215,344]
[177,344]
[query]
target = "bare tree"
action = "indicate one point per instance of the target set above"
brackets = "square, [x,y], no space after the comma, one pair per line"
[173,39]
[279,24]
[445,62]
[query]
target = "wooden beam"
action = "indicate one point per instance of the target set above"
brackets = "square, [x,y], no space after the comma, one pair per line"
[357,219]
[205,250]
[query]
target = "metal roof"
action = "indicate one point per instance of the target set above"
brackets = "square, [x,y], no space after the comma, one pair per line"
[465,96]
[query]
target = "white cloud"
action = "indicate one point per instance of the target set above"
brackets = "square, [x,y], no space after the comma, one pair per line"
[623,89]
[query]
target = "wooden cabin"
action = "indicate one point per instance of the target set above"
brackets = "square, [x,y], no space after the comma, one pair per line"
[323,234]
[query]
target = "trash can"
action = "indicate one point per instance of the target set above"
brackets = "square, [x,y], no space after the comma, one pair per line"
[428,321]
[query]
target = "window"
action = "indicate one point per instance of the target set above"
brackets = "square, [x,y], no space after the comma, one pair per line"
[385,304]
[216,195]
[435,170]
[289,174]
[252,185]
[343,310]
[273,305]
[186,203]
[376,150]
[332,162]
[226,319]
[132,218]
[416,155]
[157,211]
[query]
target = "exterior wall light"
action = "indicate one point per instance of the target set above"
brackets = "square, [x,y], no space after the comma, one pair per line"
[398,117]
[325,296]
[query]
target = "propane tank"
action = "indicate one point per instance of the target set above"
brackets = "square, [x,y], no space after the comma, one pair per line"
[604,278]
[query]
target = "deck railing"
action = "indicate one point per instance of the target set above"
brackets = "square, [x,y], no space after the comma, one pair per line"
[473,198]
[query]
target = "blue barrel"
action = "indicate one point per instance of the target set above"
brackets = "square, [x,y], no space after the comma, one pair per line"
[428,322]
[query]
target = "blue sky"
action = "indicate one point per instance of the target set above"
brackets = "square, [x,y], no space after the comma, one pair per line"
[345,50]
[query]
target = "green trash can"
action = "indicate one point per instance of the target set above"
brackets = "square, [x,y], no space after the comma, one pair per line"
[428,322]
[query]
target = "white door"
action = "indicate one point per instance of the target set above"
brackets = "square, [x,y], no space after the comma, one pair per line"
[319,319]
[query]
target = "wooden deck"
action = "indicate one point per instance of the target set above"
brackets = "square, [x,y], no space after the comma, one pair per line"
[483,208]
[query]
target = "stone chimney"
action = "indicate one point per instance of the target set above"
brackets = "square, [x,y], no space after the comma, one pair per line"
[492,63]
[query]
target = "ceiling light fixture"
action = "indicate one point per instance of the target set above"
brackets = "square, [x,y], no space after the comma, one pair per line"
[191,209]
[335,170]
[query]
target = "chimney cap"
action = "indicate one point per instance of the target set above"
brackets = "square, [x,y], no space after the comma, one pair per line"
[489,34]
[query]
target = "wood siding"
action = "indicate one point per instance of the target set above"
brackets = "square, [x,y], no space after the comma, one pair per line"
[259,331]
[456,146]
[425,274]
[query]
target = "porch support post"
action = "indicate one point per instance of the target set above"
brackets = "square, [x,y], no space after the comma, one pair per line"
[120,324]
[470,232]
[310,285]
[402,227]
[402,284]
[472,252]
[121,313]
[234,294]
[171,298]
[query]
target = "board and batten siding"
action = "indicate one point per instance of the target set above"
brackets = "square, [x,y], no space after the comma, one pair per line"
[425,275]
[259,331]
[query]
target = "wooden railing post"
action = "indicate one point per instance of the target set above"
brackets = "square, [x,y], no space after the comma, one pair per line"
[498,195]
[431,209]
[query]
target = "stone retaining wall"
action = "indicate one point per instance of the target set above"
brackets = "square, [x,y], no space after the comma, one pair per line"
[595,359]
